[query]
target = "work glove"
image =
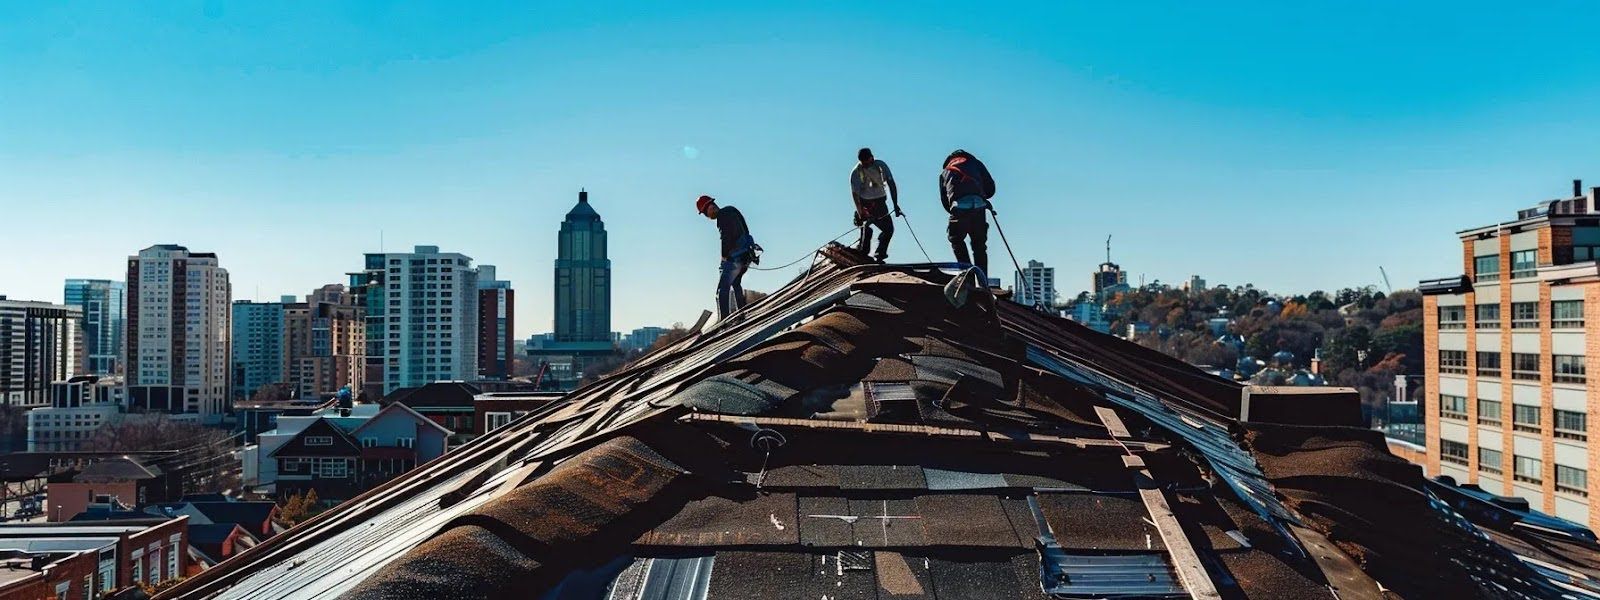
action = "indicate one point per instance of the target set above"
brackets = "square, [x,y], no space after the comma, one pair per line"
[898,212]
[858,219]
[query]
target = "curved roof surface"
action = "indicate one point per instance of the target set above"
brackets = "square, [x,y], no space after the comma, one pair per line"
[893,431]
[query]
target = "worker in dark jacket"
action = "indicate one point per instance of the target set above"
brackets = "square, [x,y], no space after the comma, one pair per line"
[871,185]
[739,249]
[965,188]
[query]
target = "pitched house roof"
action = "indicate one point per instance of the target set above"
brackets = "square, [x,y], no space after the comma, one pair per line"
[399,408]
[341,444]
[121,468]
[895,431]
[254,517]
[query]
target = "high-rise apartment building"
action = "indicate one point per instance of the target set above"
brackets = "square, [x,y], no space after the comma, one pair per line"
[1036,285]
[422,317]
[104,304]
[1508,347]
[40,343]
[179,318]
[260,345]
[583,277]
[496,322]
[326,343]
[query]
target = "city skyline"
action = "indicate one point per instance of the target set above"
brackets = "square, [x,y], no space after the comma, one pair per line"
[291,141]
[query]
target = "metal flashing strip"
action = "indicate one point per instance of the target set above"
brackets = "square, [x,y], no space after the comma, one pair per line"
[1191,572]
[1232,463]
[925,430]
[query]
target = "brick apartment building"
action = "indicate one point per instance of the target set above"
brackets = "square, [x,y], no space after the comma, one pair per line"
[1508,346]
[90,560]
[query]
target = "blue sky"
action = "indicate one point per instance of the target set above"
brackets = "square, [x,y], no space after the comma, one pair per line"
[1296,148]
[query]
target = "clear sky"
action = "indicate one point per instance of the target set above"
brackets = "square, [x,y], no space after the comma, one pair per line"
[1296,148]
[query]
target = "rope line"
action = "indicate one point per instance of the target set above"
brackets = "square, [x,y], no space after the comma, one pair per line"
[806,255]
[914,238]
[1003,240]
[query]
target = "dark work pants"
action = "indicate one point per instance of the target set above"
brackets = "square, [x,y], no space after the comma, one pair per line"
[970,223]
[730,287]
[876,215]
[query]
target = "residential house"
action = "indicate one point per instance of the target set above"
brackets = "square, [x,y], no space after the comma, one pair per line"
[342,451]
[123,481]
[493,410]
[452,404]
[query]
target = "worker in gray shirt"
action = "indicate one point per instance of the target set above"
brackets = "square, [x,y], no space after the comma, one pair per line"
[870,185]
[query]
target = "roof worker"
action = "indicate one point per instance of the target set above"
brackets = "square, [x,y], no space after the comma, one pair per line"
[739,250]
[965,188]
[870,184]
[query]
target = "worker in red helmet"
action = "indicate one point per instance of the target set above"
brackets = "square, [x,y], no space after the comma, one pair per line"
[739,251]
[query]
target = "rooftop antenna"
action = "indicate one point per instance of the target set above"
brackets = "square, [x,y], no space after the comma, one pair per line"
[1108,248]
[380,241]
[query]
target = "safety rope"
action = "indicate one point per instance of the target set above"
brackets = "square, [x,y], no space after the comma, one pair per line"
[914,238]
[1003,240]
[806,255]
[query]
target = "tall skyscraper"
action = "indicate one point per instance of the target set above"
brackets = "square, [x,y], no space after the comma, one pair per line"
[496,322]
[422,317]
[326,340]
[179,320]
[1036,285]
[583,277]
[260,345]
[39,344]
[104,304]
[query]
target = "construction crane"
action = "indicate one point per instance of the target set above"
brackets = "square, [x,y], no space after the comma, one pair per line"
[1385,275]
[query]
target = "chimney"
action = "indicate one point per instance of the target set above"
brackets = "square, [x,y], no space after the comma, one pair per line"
[1577,188]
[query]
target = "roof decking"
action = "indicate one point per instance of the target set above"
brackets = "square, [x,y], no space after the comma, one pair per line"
[876,431]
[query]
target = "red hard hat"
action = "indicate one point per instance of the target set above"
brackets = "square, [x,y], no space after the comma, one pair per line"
[701,203]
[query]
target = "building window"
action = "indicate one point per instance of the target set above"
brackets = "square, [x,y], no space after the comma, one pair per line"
[173,545]
[1525,418]
[138,565]
[319,440]
[1527,469]
[88,587]
[1566,314]
[1524,315]
[1524,263]
[1585,253]
[1572,425]
[155,565]
[1453,361]
[406,442]
[1488,412]
[1453,317]
[1452,407]
[1486,268]
[368,442]
[334,468]
[1488,316]
[1569,369]
[1524,366]
[495,420]
[1453,452]
[1488,364]
[1489,461]
[1572,480]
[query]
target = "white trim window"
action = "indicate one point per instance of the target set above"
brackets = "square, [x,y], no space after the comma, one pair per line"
[406,442]
[319,440]
[495,420]
[174,553]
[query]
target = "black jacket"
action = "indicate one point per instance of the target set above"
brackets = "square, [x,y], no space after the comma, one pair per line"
[735,234]
[963,175]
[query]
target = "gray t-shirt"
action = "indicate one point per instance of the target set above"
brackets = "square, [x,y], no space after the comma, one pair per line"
[872,181]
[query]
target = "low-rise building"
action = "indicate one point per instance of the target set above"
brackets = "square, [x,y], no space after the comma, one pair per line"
[121,481]
[492,410]
[340,452]
[89,559]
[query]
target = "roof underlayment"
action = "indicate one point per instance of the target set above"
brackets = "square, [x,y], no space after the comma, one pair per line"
[894,431]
